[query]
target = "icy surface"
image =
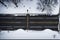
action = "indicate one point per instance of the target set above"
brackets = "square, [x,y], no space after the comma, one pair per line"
[31,34]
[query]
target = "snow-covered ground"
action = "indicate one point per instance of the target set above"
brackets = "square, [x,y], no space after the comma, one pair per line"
[23,34]
[30,34]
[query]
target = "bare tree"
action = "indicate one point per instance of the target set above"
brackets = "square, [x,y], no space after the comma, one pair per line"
[2,2]
[13,1]
[47,5]
[16,2]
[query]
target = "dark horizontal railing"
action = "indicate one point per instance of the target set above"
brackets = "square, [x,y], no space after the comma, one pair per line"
[11,22]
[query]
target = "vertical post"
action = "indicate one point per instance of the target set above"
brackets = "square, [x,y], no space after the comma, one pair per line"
[59,21]
[59,24]
[27,20]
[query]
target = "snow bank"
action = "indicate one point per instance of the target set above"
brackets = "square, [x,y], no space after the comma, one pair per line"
[31,34]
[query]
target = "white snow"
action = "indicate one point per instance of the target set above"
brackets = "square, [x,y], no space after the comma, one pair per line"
[23,6]
[23,34]
[31,34]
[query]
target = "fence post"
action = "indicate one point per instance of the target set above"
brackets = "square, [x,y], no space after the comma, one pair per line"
[59,24]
